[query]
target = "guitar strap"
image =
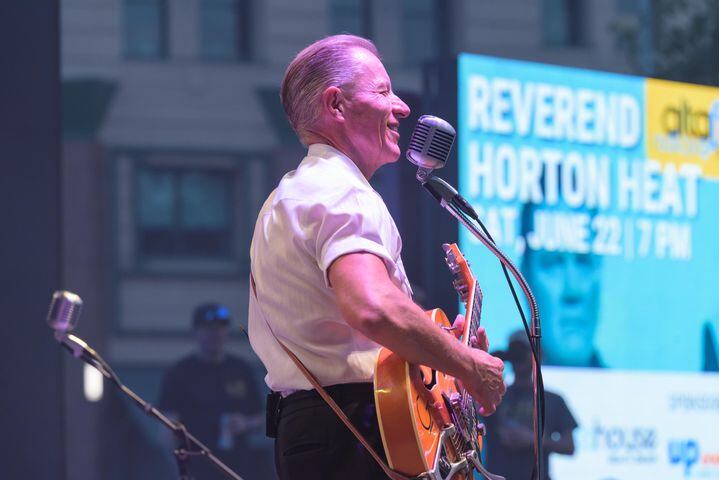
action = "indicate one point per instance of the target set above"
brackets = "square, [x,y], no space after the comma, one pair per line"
[325,396]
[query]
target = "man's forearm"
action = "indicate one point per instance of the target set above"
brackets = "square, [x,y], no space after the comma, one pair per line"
[405,328]
[372,304]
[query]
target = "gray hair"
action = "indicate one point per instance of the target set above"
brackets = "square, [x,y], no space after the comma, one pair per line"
[325,63]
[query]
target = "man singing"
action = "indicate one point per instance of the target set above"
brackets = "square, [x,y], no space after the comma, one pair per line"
[328,276]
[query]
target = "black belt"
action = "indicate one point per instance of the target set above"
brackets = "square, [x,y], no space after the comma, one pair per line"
[342,393]
[338,392]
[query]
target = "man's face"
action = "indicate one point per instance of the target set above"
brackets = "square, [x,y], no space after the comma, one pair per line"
[211,338]
[521,361]
[567,289]
[372,112]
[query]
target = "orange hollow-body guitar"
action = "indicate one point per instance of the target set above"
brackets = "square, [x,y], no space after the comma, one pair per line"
[428,422]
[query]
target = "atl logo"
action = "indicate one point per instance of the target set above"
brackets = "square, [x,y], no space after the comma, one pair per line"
[683,119]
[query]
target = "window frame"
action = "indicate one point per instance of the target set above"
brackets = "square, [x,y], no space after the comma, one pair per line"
[177,231]
[246,168]
[244,33]
[163,29]
[366,19]
[574,25]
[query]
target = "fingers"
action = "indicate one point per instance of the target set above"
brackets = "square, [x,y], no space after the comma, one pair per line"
[500,364]
[487,385]
[495,394]
[482,340]
[458,325]
[487,409]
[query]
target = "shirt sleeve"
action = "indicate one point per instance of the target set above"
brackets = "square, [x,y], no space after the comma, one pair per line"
[562,418]
[349,224]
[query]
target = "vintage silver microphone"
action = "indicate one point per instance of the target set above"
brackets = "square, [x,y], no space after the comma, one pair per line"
[430,144]
[63,316]
[65,308]
[429,148]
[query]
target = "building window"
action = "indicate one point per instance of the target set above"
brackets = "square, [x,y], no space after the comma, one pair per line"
[225,27]
[184,213]
[419,30]
[563,25]
[145,28]
[351,16]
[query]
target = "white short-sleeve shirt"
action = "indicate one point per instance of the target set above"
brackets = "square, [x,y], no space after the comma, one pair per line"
[322,210]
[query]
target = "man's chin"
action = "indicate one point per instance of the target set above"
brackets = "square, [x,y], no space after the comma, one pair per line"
[395,148]
[392,153]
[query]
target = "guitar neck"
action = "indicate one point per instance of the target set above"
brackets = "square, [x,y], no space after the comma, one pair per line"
[473,313]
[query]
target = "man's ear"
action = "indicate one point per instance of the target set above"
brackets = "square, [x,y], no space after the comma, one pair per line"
[332,102]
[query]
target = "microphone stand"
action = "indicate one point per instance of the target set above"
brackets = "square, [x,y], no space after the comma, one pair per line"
[189,445]
[460,209]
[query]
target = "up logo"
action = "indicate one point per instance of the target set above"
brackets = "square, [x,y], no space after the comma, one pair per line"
[684,452]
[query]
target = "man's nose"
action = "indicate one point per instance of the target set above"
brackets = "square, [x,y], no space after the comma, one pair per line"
[400,109]
[574,281]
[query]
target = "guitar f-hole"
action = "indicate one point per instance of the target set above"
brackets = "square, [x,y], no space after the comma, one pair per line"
[429,385]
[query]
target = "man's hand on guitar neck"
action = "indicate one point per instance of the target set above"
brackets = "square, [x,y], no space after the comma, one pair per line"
[479,341]
[372,304]
[488,393]
[485,383]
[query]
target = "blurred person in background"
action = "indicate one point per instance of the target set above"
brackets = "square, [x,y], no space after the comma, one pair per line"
[213,393]
[510,433]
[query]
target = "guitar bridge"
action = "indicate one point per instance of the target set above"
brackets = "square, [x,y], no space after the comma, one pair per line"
[446,469]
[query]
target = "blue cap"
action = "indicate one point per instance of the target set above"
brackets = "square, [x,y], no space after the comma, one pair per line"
[210,313]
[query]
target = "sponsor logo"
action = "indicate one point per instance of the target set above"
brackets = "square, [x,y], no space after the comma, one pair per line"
[683,125]
[693,402]
[685,119]
[687,454]
[714,125]
[625,444]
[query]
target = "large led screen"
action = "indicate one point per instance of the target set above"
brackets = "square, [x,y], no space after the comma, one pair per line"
[604,190]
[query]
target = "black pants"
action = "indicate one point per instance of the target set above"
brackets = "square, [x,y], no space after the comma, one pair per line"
[313,443]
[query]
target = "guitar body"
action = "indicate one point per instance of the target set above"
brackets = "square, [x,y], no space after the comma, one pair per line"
[428,422]
[411,409]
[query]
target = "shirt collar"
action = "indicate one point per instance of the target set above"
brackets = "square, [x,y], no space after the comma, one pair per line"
[328,152]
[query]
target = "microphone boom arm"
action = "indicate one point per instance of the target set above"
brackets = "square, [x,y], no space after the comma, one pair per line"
[80,349]
[460,209]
